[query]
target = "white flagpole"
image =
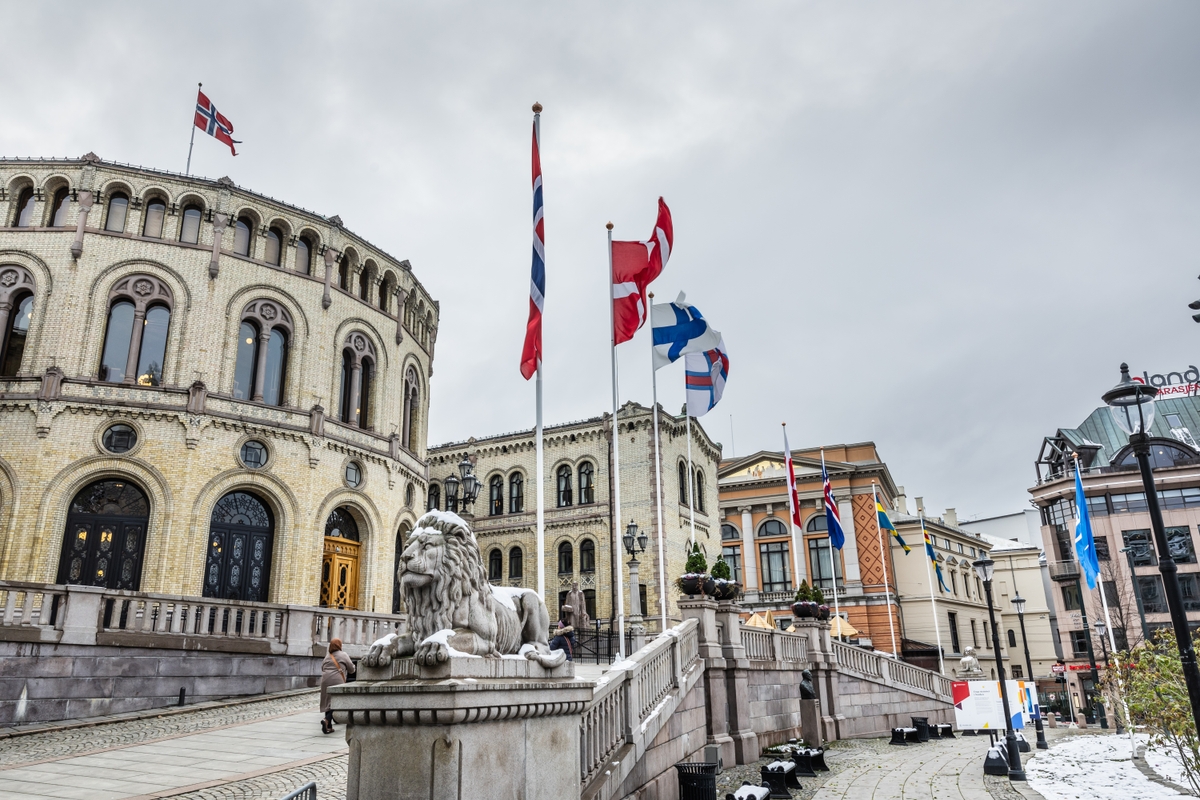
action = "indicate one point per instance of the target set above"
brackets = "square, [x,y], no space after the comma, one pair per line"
[616,430]
[793,512]
[937,630]
[188,169]
[837,612]
[887,592]
[662,570]
[541,477]
[691,475]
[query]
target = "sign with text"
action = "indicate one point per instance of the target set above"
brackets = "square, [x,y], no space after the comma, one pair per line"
[978,705]
[1058,669]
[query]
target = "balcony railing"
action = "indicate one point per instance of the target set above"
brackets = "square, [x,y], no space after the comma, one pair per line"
[1063,570]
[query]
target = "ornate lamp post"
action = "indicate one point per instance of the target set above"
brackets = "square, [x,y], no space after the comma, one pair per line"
[1019,604]
[635,544]
[467,482]
[1132,407]
[986,568]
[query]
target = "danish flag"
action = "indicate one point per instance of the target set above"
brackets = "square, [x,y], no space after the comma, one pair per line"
[213,122]
[634,266]
[531,354]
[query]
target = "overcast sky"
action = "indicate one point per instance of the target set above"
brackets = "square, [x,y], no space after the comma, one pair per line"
[937,226]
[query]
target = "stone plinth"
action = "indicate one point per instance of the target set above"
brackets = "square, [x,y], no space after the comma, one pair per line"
[476,730]
[810,723]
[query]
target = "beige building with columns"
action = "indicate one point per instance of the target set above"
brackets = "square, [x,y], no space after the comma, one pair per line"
[581,533]
[203,390]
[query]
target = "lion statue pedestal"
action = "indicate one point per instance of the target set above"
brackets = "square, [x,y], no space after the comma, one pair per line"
[469,700]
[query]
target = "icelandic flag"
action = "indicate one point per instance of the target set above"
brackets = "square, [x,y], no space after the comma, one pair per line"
[213,122]
[886,524]
[680,329]
[833,520]
[531,353]
[933,556]
[634,266]
[704,378]
[1085,545]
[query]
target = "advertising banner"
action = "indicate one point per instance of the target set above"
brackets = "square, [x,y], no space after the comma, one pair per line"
[978,705]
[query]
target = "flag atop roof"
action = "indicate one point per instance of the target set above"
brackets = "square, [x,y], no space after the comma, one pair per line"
[213,122]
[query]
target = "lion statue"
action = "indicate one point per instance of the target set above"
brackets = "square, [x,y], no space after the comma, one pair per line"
[453,610]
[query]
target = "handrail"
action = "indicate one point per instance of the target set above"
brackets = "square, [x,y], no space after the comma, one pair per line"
[306,792]
[32,604]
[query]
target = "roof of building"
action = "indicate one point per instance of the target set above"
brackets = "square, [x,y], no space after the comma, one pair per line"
[999,544]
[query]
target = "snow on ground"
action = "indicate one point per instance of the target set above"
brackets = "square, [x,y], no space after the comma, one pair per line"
[1166,763]
[1086,767]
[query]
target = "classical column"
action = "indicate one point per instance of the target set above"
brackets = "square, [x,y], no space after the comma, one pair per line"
[5,310]
[86,199]
[330,259]
[219,223]
[135,345]
[260,365]
[850,551]
[355,388]
[749,573]
[401,296]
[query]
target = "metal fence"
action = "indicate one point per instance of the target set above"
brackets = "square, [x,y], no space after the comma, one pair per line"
[600,644]
[306,792]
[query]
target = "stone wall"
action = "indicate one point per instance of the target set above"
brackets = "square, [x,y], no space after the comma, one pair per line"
[866,708]
[681,739]
[45,682]
[774,693]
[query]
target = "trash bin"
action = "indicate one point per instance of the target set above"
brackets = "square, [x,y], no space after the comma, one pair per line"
[697,780]
[922,726]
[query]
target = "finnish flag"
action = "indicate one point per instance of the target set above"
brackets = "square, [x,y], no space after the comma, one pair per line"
[679,329]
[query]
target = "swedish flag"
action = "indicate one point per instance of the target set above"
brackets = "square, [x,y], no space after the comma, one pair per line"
[886,524]
[933,557]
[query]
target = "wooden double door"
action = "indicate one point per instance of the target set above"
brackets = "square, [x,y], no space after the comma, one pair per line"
[339,573]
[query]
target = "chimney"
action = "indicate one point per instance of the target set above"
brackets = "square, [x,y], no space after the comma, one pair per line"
[901,501]
[921,505]
[951,518]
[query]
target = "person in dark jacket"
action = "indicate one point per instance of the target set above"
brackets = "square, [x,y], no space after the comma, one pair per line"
[564,635]
[336,669]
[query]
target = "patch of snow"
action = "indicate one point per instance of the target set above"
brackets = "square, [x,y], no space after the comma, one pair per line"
[386,641]
[1166,763]
[623,665]
[505,594]
[526,649]
[1092,768]
[650,717]
[443,637]
[448,517]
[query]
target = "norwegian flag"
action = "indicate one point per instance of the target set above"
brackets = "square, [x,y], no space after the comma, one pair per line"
[213,122]
[531,353]
[634,266]
[837,538]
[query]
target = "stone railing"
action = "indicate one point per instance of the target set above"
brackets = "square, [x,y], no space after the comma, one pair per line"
[885,669]
[92,616]
[633,701]
[855,658]
[765,645]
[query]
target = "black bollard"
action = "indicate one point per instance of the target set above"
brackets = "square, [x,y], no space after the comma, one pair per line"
[182,694]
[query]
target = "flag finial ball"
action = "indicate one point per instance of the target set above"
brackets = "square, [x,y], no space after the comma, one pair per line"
[650,295]
[537,108]
[609,226]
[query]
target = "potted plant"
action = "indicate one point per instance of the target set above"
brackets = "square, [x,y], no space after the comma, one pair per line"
[804,607]
[725,587]
[696,580]
[818,597]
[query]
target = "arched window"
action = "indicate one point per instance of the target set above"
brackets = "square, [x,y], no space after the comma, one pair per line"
[411,397]
[409,493]
[587,488]
[386,288]
[344,273]
[247,357]
[729,533]
[273,252]
[515,564]
[341,525]
[242,231]
[564,486]
[24,216]
[105,536]
[566,559]
[118,209]
[495,564]
[14,333]
[495,496]
[358,372]
[135,339]
[189,228]
[1012,638]
[240,538]
[60,208]
[699,491]
[587,556]
[435,497]
[304,251]
[364,284]
[683,484]
[152,222]
[277,350]
[516,493]
[817,523]
[772,527]
[1163,453]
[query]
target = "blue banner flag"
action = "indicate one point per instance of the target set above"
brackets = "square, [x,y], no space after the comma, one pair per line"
[1085,544]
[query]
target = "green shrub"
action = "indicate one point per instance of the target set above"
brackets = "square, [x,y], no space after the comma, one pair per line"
[803,594]
[818,596]
[696,565]
[720,569]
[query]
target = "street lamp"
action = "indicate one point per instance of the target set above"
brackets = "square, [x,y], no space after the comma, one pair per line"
[467,482]
[635,544]
[1019,604]
[985,568]
[1132,407]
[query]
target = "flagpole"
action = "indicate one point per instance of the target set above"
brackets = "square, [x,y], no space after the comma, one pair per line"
[691,475]
[887,592]
[541,476]
[616,436]
[662,571]
[793,512]
[188,170]
[837,612]
[937,630]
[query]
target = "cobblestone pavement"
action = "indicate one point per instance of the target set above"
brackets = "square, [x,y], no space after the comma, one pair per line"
[35,747]
[330,775]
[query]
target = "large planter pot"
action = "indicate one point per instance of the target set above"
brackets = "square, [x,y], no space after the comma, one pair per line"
[726,590]
[823,612]
[805,609]
[710,585]
[691,584]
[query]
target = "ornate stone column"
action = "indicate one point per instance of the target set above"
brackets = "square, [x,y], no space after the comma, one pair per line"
[355,389]
[331,257]
[135,345]
[86,199]
[219,223]
[401,298]
[260,365]
[749,560]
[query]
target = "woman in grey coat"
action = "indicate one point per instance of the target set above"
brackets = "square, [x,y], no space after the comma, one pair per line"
[336,669]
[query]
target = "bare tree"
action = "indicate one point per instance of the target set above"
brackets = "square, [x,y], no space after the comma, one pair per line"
[1124,611]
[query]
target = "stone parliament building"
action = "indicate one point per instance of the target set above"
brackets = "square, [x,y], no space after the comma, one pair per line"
[203,391]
